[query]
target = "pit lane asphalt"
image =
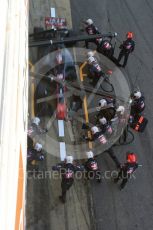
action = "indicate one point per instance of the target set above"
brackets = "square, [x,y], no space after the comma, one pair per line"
[131,208]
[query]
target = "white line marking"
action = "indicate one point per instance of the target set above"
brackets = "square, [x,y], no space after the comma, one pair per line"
[61,128]
[62,151]
[52,12]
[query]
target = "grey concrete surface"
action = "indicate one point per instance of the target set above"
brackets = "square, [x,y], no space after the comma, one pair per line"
[131,208]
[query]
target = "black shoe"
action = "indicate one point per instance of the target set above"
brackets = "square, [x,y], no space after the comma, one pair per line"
[98,180]
[62,199]
[87,47]
[121,187]
[116,180]
[123,66]
[119,65]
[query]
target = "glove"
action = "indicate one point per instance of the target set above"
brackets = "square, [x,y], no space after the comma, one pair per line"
[41,158]
[56,167]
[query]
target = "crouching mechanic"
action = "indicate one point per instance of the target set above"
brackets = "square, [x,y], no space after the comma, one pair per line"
[138,103]
[105,126]
[127,169]
[106,48]
[35,154]
[67,170]
[91,167]
[97,134]
[95,69]
[34,127]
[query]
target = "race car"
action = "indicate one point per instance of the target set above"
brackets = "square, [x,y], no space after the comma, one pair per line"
[61,110]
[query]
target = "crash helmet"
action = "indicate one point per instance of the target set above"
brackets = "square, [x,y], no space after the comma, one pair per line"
[69,159]
[89,154]
[89,21]
[38,147]
[94,129]
[102,103]
[120,109]
[59,57]
[131,157]
[90,54]
[129,35]
[106,45]
[91,60]
[36,121]
[137,94]
[103,121]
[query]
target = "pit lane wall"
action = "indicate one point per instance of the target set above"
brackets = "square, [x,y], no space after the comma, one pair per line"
[13,112]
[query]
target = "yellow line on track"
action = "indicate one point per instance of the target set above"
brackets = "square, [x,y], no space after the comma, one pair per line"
[81,71]
[32,102]
[85,103]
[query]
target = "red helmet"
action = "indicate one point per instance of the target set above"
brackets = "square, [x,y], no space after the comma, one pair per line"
[131,158]
[129,35]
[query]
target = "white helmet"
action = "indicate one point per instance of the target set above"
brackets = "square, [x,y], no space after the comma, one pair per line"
[38,147]
[100,40]
[102,103]
[137,94]
[103,121]
[89,154]
[121,109]
[91,60]
[69,160]
[89,21]
[94,129]
[36,121]
[90,54]
[59,58]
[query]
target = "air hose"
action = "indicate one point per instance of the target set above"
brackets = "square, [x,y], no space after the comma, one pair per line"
[126,138]
[111,89]
[106,80]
